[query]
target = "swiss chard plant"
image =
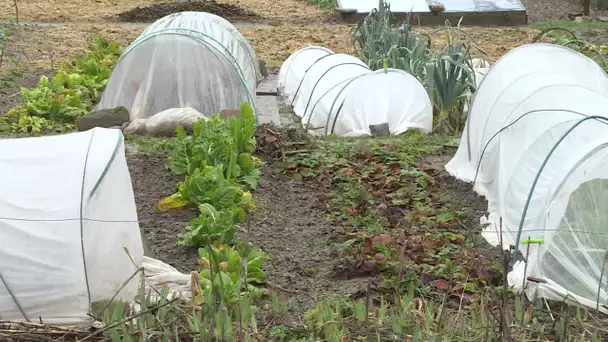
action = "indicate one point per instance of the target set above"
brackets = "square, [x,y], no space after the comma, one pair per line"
[214,142]
[219,172]
[232,271]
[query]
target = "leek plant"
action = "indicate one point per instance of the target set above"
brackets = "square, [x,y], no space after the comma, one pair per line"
[377,38]
[447,75]
[450,79]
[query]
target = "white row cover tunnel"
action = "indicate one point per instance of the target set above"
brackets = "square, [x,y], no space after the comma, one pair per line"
[187,59]
[64,235]
[535,145]
[338,94]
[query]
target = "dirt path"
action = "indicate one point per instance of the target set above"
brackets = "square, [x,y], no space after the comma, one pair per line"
[290,225]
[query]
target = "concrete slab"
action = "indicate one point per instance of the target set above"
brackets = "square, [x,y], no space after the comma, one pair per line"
[268,109]
[266,99]
[268,84]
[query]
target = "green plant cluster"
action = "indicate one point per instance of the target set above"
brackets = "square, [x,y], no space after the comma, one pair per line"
[232,275]
[447,74]
[55,104]
[220,171]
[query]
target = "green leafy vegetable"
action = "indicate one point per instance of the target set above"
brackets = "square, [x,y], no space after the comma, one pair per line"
[219,171]
[55,104]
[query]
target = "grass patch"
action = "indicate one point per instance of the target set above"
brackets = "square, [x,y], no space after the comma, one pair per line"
[580,36]
[326,4]
[570,25]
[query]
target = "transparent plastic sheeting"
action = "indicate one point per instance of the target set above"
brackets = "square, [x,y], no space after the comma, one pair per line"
[187,59]
[568,207]
[516,76]
[422,6]
[527,101]
[338,94]
[481,5]
[292,73]
[62,236]
[394,97]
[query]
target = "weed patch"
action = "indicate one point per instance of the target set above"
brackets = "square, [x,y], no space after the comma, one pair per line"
[396,217]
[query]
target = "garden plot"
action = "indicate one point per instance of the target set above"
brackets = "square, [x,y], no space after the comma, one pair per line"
[344,239]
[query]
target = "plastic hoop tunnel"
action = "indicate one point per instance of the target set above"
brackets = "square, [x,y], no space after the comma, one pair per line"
[187,59]
[558,197]
[393,97]
[540,111]
[516,76]
[324,74]
[339,94]
[294,68]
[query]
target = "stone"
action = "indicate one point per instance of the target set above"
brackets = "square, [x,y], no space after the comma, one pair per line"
[103,118]
[381,130]
[436,7]
[582,19]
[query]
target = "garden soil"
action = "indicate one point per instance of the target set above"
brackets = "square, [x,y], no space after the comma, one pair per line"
[290,225]
[152,181]
[11,81]
[156,11]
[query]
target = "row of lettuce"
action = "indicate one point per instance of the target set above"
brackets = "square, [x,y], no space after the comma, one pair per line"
[219,171]
[55,103]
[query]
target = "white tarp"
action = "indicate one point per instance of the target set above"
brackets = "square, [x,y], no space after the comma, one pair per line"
[188,59]
[67,212]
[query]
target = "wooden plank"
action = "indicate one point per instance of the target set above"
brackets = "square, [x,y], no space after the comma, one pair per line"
[496,18]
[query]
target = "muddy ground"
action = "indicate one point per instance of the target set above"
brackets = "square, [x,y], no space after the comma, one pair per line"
[290,224]
[11,82]
[152,181]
